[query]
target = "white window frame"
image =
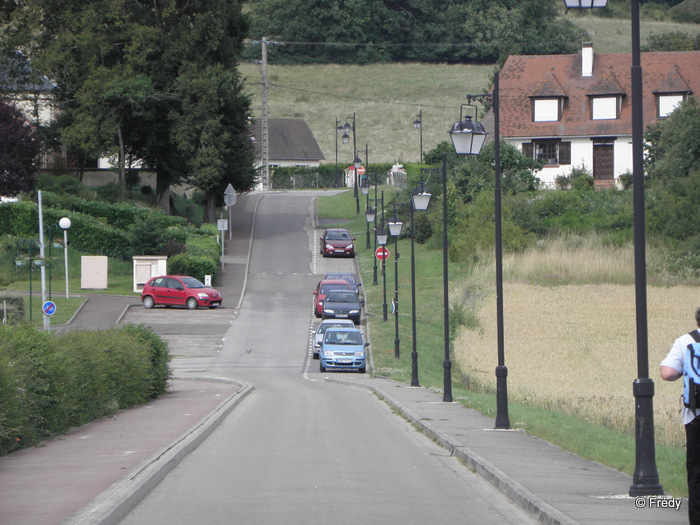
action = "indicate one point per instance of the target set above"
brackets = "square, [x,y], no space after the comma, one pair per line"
[546,110]
[604,108]
[667,103]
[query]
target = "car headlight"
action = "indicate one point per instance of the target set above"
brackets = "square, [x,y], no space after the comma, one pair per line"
[327,311]
[202,295]
[350,246]
[354,312]
[329,246]
[360,353]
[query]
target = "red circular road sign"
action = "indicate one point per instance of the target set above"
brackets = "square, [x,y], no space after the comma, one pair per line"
[381,253]
[360,170]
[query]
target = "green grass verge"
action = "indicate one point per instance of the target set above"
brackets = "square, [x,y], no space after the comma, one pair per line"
[605,446]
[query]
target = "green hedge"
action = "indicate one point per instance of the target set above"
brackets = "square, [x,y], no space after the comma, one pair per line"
[50,383]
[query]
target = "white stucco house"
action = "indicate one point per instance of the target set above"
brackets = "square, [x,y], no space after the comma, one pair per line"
[575,110]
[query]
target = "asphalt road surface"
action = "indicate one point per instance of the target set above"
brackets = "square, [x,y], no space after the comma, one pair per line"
[299,449]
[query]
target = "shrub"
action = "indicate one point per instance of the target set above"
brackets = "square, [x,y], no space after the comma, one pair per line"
[51,383]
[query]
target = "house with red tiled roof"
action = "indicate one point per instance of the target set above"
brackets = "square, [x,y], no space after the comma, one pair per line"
[575,110]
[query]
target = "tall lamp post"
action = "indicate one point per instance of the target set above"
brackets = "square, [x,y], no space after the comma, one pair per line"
[645,480]
[468,140]
[356,160]
[418,124]
[339,130]
[395,227]
[382,238]
[420,198]
[65,224]
[447,363]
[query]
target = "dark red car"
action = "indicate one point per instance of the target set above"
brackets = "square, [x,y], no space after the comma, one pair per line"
[337,241]
[322,288]
[179,290]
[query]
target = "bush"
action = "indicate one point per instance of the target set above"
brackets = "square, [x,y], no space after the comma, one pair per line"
[49,383]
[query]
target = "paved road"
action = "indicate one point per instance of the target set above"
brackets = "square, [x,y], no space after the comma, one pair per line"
[300,449]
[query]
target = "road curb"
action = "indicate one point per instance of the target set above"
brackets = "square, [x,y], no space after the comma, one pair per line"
[112,505]
[539,509]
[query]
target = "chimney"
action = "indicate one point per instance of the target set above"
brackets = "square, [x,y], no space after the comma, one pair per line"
[587,59]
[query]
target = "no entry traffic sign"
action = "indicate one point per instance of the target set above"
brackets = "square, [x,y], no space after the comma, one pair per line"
[381,253]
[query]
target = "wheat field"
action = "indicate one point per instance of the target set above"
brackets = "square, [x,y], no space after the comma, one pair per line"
[573,348]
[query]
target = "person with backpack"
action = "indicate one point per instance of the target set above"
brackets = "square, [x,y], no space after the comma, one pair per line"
[683,360]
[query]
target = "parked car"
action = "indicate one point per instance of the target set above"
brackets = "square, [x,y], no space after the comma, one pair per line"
[179,290]
[342,304]
[322,288]
[343,349]
[349,277]
[325,325]
[337,241]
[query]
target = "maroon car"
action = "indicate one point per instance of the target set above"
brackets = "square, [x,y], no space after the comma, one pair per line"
[322,288]
[179,290]
[337,241]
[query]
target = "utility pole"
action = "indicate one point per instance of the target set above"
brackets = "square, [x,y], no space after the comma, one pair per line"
[265,149]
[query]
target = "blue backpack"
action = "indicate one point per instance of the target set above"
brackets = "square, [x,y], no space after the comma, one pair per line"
[691,373]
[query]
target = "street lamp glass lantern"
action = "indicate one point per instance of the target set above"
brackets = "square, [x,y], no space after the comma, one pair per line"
[395,228]
[357,162]
[364,188]
[382,237]
[417,123]
[64,223]
[370,215]
[345,138]
[468,136]
[421,200]
[584,4]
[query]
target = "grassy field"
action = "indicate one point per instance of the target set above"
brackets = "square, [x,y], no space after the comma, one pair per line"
[386,98]
[570,343]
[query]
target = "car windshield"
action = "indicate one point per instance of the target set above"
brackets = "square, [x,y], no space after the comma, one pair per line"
[344,338]
[335,286]
[341,297]
[191,282]
[337,236]
[323,327]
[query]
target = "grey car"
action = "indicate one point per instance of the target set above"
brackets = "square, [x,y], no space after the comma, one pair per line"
[342,304]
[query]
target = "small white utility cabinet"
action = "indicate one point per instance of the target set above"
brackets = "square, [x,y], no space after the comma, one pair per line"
[147,266]
[93,272]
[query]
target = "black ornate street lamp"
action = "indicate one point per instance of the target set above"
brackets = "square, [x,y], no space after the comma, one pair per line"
[418,124]
[420,198]
[356,160]
[645,481]
[447,363]
[382,238]
[472,146]
[395,227]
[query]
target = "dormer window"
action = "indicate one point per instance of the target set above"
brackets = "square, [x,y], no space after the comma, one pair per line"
[546,109]
[667,102]
[605,108]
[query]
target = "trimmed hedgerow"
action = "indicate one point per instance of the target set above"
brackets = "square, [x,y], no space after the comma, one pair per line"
[50,383]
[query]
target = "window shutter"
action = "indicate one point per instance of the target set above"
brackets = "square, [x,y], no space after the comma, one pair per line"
[527,149]
[565,153]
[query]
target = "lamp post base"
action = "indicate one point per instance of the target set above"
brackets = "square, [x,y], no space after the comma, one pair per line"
[645,481]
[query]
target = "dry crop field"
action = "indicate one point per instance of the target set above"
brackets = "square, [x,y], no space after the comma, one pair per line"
[572,348]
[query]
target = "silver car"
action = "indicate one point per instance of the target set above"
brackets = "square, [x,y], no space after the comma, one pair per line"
[325,325]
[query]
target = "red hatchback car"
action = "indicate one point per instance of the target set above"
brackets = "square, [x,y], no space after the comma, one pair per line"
[179,290]
[322,288]
[337,241]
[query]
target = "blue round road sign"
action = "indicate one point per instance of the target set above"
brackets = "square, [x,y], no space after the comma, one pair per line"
[49,308]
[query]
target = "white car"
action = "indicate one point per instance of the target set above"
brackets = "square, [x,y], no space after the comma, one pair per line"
[323,326]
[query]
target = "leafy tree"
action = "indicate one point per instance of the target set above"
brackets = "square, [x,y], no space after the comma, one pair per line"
[19,148]
[124,69]
[673,41]
[673,145]
[363,31]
